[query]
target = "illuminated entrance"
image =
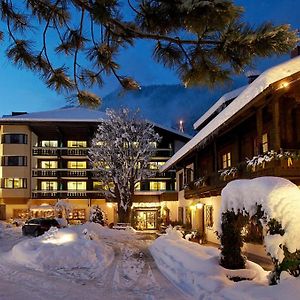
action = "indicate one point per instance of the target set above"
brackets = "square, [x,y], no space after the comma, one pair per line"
[146,219]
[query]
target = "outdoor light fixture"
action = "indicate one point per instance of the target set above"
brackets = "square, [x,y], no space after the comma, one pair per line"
[199,205]
[284,84]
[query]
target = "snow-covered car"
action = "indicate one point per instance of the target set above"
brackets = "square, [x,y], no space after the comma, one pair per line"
[39,226]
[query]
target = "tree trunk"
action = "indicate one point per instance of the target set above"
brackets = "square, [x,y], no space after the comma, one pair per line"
[123,215]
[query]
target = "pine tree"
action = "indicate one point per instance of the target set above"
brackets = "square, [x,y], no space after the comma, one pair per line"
[97,215]
[120,153]
[204,41]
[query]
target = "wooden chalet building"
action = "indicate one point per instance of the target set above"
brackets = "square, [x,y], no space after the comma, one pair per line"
[44,159]
[250,132]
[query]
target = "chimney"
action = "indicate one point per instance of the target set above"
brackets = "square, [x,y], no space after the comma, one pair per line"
[295,52]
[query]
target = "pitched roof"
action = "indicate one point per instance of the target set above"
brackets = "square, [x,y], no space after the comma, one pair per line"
[218,105]
[69,114]
[72,114]
[260,84]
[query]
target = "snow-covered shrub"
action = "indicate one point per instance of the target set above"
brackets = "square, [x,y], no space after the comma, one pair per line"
[276,202]
[97,215]
[227,174]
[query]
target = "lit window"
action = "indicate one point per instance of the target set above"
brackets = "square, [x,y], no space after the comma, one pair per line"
[77,144]
[76,164]
[14,161]
[157,185]
[14,138]
[51,143]
[137,186]
[155,165]
[49,164]
[14,183]
[265,144]
[153,144]
[209,219]
[226,160]
[76,185]
[48,185]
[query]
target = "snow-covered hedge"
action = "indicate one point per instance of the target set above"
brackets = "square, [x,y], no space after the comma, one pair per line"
[280,201]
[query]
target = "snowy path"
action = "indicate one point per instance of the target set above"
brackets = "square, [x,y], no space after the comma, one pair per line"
[133,274]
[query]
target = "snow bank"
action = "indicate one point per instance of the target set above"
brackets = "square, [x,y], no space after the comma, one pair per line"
[279,198]
[64,250]
[195,269]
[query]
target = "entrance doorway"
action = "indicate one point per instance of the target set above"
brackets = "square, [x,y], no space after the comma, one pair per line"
[146,219]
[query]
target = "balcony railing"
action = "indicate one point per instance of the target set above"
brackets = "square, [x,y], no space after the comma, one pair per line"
[60,172]
[214,182]
[62,194]
[59,151]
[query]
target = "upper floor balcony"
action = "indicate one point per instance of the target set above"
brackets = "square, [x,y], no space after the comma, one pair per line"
[60,151]
[286,165]
[39,172]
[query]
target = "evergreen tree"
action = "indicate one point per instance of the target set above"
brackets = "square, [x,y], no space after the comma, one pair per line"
[205,41]
[97,215]
[120,153]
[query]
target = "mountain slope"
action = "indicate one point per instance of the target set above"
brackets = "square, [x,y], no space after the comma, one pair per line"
[167,104]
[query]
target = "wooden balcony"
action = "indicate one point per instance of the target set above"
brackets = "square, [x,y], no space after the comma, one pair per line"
[212,184]
[61,172]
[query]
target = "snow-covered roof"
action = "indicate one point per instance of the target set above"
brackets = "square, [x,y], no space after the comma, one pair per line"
[78,114]
[260,84]
[72,114]
[226,97]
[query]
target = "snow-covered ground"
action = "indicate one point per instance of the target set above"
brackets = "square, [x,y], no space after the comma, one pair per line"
[195,269]
[80,262]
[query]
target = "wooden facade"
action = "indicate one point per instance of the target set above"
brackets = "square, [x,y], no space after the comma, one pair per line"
[270,123]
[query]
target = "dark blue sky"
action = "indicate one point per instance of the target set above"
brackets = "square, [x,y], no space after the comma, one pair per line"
[23,91]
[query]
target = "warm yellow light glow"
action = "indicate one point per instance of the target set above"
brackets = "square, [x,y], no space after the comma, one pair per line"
[284,84]
[110,205]
[60,238]
[193,207]
[199,205]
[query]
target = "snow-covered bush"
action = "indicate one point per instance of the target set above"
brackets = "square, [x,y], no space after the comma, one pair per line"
[227,174]
[276,202]
[97,215]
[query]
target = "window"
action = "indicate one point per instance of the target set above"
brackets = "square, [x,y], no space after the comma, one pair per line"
[14,138]
[188,174]
[76,185]
[157,185]
[76,164]
[180,214]
[155,165]
[137,186]
[50,143]
[77,144]
[77,214]
[180,181]
[209,220]
[226,160]
[14,183]
[48,185]
[265,144]
[14,161]
[49,164]
[153,144]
